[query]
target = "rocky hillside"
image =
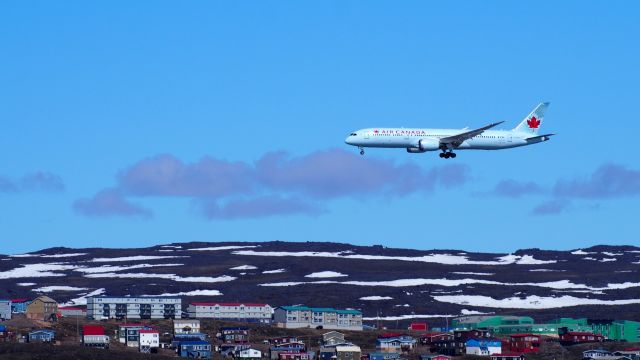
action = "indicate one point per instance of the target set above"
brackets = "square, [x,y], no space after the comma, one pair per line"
[393,284]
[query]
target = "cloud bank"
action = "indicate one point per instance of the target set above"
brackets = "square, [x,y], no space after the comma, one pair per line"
[278,183]
[38,181]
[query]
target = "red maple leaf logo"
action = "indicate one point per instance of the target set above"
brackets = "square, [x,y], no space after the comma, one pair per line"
[533,123]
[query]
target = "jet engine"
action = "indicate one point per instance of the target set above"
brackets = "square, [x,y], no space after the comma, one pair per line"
[426,144]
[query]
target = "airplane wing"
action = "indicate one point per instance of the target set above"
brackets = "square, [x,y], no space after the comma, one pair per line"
[458,139]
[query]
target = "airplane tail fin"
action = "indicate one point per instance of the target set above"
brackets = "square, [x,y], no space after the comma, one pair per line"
[533,121]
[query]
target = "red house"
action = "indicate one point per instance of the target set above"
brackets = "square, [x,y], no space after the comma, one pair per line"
[293,356]
[419,326]
[430,338]
[578,337]
[524,343]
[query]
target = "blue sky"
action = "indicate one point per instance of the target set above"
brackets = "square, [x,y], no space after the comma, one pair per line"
[245,106]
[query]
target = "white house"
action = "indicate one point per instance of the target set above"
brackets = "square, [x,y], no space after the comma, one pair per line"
[123,307]
[292,317]
[249,354]
[249,312]
[5,309]
[186,326]
[149,339]
[483,347]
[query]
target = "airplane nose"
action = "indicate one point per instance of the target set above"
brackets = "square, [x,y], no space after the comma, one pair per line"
[348,140]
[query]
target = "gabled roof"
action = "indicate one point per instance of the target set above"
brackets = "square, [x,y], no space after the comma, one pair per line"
[20,300]
[44,298]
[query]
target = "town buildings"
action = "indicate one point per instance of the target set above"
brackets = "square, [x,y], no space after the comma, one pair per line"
[149,340]
[43,308]
[348,352]
[19,306]
[114,307]
[94,336]
[43,335]
[194,349]
[249,354]
[579,337]
[395,343]
[292,317]
[71,311]
[129,334]
[249,312]
[234,335]
[524,343]
[5,309]
[186,326]
[483,347]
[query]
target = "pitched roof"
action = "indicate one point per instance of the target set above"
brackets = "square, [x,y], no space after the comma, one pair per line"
[149,331]
[92,330]
[44,298]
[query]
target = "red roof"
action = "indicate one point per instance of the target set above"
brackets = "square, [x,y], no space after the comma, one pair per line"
[132,325]
[21,300]
[579,333]
[507,354]
[149,332]
[92,330]
[523,335]
[71,308]
[633,349]
[227,304]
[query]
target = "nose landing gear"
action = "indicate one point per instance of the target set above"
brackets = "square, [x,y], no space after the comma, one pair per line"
[361,151]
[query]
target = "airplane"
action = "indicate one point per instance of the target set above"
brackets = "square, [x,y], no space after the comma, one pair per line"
[448,140]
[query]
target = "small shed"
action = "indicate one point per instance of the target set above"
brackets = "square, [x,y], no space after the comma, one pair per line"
[94,336]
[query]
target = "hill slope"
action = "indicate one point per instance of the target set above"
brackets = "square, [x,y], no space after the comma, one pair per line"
[396,284]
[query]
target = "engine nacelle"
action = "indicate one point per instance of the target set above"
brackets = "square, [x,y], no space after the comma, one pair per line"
[426,144]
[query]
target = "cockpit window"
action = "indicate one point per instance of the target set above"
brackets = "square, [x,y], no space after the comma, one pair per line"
[353,134]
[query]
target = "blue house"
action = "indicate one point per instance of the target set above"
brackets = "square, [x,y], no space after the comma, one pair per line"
[596,353]
[384,356]
[19,306]
[45,335]
[194,349]
[483,347]
[178,338]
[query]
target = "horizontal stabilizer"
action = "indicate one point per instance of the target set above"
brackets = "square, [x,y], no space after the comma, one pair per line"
[544,137]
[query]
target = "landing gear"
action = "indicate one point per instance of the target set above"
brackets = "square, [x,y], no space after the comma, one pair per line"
[447,154]
[361,151]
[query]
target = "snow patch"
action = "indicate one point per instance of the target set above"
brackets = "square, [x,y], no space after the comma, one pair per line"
[47,289]
[472,273]
[26,284]
[547,270]
[36,270]
[405,317]
[581,252]
[608,259]
[219,248]
[376,298]
[589,258]
[63,255]
[82,300]
[174,277]
[135,258]
[244,267]
[612,254]
[325,274]
[276,271]
[473,312]
[446,259]
[530,302]
[113,268]
[192,293]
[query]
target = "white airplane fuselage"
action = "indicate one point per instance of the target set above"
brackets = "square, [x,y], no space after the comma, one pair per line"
[417,140]
[409,138]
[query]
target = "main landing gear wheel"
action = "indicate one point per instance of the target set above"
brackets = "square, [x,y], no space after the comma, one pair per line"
[447,155]
[361,151]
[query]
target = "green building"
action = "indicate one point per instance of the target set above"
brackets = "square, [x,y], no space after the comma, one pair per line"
[619,330]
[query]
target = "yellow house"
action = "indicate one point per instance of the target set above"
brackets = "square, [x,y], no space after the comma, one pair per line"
[43,308]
